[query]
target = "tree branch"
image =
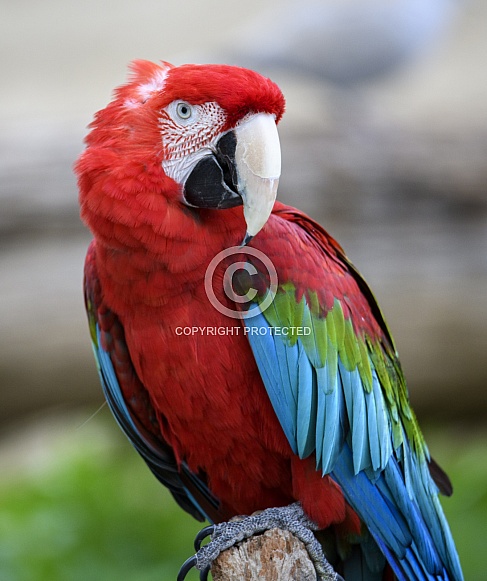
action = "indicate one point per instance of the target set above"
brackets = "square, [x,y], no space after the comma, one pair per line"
[272,556]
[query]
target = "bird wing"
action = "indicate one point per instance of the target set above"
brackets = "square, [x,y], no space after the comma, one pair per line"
[331,371]
[130,403]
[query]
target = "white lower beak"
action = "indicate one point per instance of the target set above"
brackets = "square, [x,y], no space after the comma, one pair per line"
[258,162]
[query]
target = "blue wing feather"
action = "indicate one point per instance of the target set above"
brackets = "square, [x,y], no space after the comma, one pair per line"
[265,350]
[111,387]
[330,424]
[373,402]
[325,408]
[306,406]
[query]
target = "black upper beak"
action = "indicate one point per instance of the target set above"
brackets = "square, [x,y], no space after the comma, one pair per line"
[213,180]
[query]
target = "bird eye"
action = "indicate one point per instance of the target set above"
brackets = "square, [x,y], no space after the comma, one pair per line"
[183,113]
[184,110]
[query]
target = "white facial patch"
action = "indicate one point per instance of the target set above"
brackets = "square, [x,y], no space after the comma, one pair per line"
[179,168]
[185,141]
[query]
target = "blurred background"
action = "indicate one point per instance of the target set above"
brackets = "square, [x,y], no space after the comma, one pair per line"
[384,142]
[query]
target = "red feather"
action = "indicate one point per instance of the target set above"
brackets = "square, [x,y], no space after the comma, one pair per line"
[151,254]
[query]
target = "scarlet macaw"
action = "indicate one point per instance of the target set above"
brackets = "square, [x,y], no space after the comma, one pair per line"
[301,397]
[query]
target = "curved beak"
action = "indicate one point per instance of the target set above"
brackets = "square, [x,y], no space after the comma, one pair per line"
[243,167]
[258,164]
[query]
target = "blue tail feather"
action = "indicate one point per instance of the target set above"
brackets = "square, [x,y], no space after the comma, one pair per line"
[394,520]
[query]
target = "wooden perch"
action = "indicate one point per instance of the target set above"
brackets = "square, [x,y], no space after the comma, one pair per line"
[274,555]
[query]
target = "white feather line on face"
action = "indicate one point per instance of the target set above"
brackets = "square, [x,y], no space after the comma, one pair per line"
[179,168]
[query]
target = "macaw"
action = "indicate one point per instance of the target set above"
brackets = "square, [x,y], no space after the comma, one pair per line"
[275,382]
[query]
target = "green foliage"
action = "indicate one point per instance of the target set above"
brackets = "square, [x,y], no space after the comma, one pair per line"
[462,453]
[90,511]
[83,506]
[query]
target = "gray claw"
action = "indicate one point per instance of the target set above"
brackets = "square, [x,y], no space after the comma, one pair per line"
[291,518]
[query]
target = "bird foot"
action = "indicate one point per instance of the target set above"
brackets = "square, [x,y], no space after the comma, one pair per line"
[225,535]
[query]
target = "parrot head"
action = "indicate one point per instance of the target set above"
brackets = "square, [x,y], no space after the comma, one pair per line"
[211,129]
